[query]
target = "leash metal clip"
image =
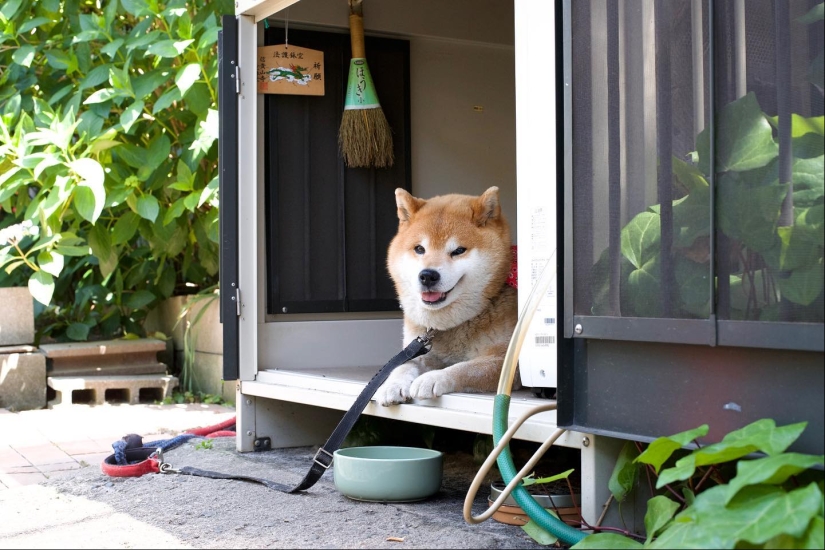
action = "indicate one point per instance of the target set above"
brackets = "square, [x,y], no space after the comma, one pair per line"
[427,337]
[163,466]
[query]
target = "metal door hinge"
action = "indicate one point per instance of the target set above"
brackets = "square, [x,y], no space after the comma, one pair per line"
[237,80]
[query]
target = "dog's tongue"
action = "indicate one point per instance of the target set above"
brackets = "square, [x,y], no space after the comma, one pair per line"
[431,296]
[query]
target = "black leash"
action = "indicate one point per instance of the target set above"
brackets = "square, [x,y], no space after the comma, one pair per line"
[323,458]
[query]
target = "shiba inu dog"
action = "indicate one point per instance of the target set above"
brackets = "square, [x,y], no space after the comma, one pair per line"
[449,262]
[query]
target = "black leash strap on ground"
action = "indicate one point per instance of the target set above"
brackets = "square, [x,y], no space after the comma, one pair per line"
[323,458]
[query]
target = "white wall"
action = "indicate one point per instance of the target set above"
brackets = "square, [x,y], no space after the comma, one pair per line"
[461,57]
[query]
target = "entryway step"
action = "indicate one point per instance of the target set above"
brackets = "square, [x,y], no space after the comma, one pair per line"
[106,357]
[114,389]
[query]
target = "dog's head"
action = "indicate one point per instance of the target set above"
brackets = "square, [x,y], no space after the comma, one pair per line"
[451,255]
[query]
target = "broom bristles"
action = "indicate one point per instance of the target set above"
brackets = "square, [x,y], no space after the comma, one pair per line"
[365,139]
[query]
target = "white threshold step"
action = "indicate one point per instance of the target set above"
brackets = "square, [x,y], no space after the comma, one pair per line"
[337,388]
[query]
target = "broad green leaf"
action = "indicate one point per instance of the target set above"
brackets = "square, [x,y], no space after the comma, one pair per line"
[606,540]
[125,227]
[771,470]
[41,287]
[804,284]
[137,8]
[24,55]
[642,290]
[624,473]
[50,262]
[10,8]
[148,207]
[757,514]
[209,191]
[640,238]
[186,76]
[159,151]
[693,281]
[174,212]
[90,195]
[749,214]
[78,332]
[744,136]
[169,96]
[168,48]
[131,114]
[762,435]
[662,448]
[538,534]
[660,510]
[101,96]
[139,299]
[206,133]
[95,77]
[147,83]
[32,24]
[112,47]
[801,125]
[102,248]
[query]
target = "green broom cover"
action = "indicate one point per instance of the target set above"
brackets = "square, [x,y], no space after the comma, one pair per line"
[360,89]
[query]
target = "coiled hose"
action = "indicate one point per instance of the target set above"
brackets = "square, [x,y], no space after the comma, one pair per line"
[502,435]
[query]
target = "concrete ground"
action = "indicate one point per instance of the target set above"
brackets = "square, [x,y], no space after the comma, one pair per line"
[53,494]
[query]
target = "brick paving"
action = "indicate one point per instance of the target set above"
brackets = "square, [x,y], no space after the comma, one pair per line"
[43,444]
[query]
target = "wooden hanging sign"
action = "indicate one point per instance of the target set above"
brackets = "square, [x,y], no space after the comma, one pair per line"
[288,69]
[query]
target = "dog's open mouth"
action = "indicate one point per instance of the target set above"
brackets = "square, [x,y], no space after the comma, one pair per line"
[434,297]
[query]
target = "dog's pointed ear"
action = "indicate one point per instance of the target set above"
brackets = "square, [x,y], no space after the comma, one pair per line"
[407,205]
[487,207]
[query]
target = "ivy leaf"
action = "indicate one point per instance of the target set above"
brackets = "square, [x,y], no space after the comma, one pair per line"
[660,510]
[804,285]
[771,470]
[662,448]
[757,514]
[538,534]
[624,473]
[745,138]
[148,207]
[762,435]
[41,287]
[186,76]
[639,237]
[606,540]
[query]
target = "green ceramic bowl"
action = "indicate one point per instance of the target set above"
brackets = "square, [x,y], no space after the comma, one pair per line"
[387,474]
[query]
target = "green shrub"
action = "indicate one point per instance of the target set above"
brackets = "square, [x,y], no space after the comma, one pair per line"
[745,491]
[108,158]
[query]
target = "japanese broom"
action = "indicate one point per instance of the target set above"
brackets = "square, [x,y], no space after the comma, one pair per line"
[365,136]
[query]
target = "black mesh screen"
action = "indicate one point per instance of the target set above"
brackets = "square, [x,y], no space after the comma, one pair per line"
[642,205]
[769,155]
[641,159]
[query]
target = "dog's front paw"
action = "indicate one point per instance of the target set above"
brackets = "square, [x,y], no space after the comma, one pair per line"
[392,393]
[432,384]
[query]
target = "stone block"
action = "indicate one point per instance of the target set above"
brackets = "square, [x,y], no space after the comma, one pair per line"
[16,316]
[97,390]
[106,357]
[22,378]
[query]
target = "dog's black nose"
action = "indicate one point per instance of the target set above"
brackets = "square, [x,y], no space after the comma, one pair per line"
[429,277]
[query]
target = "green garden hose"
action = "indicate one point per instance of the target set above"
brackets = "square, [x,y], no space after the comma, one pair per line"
[502,435]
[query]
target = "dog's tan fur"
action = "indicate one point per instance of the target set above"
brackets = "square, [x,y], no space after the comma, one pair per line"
[477,318]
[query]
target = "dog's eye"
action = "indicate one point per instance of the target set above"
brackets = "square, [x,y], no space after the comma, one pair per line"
[458,251]
[419,249]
